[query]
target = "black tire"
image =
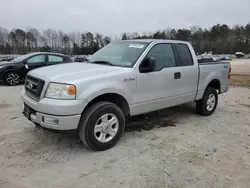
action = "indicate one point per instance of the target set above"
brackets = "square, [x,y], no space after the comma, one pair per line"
[37,125]
[91,117]
[12,78]
[202,105]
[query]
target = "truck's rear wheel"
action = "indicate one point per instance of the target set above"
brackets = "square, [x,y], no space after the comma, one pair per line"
[207,105]
[101,126]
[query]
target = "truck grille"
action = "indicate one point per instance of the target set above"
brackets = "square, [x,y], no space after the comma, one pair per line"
[34,87]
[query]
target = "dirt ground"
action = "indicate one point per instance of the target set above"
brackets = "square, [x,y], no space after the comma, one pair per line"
[241,66]
[171,148]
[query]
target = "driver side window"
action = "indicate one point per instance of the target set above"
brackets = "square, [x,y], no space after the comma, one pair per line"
[36,59]
[164,56]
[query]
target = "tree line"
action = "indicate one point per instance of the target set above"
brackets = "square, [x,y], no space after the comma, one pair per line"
[219,39]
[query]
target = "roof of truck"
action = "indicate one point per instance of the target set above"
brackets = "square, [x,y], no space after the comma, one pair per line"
[157,40]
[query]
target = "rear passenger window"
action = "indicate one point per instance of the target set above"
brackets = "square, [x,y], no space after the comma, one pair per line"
[185,55]
[55,59]
[164,56]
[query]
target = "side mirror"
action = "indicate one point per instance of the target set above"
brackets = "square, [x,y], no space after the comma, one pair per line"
[26,65]
[147,65]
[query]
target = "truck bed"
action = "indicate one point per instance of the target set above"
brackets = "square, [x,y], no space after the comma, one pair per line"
[213,70]
[212,62]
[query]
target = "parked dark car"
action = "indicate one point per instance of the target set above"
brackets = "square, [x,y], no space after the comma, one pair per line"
[6,58]
[14,71]
[204,60]
[79,59]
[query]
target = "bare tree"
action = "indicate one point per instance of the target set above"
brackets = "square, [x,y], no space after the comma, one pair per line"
[37,36]
[31,41]
[48,35]
[72,39]
[168,32]
[55,41]
[61,39]
[43,40]
[13,41]
[3,36]
[99,40]
[219,39]
[66,43]
[78,38]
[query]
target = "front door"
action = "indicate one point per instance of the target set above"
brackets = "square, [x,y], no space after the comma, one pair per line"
[160,88]
[35,62]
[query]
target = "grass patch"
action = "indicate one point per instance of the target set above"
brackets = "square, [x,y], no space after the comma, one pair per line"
[240,80]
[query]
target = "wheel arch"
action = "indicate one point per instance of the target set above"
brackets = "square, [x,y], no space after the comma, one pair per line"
[12,70]
[215,84]
[112,97]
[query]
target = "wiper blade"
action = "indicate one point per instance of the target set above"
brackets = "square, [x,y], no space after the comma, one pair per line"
[103,62]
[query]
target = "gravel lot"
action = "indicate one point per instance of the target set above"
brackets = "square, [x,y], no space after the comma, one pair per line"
[241,66]
[170,148]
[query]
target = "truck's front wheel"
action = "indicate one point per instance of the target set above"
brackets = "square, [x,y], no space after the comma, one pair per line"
[101,126]
[207,105]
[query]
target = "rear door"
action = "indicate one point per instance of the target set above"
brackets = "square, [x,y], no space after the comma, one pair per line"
[188,71]
[55,59]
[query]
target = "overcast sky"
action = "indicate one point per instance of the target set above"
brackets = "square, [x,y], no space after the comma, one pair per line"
[116,16]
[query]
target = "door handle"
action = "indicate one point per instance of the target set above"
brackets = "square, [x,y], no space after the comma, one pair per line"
[129,79]
[177,75]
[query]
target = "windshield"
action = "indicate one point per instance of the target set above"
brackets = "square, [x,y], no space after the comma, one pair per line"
[20,58]
[124,53]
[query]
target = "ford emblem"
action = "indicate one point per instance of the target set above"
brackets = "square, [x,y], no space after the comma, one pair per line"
[30,85]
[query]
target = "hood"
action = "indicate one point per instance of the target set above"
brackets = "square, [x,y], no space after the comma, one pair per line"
[70,71]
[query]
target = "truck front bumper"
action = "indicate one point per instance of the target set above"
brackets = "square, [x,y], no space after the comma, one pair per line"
[54,122]
[52,113]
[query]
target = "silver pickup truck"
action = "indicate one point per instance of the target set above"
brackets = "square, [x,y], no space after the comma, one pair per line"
[123,79]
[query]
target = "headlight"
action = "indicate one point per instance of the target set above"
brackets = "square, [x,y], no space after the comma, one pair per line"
[61,91]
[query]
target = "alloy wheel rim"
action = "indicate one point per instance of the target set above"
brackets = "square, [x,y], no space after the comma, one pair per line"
[13,79]
[106,128]
[211,102]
